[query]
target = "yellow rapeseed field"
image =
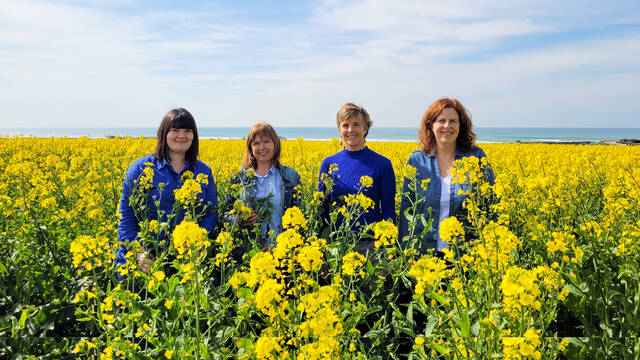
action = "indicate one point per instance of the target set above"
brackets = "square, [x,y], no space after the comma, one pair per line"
[550,264]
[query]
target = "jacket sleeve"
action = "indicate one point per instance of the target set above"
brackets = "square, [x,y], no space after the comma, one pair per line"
[210,220]
[326,203]
[128,226]
[488,170]
[406,199]
[388,189]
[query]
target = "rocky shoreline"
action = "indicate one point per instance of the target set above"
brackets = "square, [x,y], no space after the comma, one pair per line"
[603,142]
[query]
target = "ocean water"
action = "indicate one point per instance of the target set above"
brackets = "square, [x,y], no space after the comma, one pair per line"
[405,134]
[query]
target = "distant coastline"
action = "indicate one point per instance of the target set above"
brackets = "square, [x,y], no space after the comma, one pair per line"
[376,134]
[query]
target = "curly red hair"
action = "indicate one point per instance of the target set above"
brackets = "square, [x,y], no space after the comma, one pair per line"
[466,137]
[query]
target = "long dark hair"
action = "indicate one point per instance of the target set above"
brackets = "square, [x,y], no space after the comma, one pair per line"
[177,119]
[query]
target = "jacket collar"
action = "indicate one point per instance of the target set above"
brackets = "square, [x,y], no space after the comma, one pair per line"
[162,163]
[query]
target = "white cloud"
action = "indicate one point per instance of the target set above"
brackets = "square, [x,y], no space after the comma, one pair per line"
[78,66]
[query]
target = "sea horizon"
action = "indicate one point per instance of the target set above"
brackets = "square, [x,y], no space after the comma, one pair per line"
[376,133]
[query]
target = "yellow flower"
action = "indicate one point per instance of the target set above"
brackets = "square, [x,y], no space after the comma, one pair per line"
[419,340]
[168,304]
[310,258]
[425,184]
[359,200]
[188,236]
[82,346]
[351,264]
[159,275]
[293,219]
[188,193]
[410,172]
[451,230]
[366,181]
[428,270]
[384,233]
[153,226]
[168,354]
[83,295]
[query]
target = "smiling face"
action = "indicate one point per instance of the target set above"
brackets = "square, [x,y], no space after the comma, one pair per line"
[263,149]
[352,132]
[179,140]
[446,127]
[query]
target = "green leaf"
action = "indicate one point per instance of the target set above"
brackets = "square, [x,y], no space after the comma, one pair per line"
[410,315]
[23,318]
[428,329]
[465,323]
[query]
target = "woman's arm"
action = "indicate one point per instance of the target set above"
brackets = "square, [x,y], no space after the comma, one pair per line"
[388,192]
[407,198]
[210,220]
[128,226]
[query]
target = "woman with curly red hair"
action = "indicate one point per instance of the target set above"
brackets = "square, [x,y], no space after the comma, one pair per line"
[446,134]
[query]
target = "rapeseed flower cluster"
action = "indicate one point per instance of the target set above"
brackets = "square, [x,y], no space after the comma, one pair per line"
[187,194]
[428,271]
[91,252]
[189,238]
[352,264]
[385,233]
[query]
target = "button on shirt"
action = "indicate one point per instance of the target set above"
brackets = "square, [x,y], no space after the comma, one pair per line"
[271,183]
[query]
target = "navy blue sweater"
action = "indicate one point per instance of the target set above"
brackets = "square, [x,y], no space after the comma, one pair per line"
[352,165]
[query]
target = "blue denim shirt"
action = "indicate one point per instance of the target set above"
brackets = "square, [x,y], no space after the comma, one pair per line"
[163,173]
[271,184]
[427,168]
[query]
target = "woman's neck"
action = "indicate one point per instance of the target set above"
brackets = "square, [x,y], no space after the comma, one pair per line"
[178,162]
[446,149]
[353,148]
[445,155]
[262,168]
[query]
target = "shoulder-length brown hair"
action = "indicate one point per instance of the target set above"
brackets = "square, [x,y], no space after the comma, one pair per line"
[263,130]
[177,119]
[466,137]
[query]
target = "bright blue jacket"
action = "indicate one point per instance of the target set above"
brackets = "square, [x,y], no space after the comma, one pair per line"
[427,168]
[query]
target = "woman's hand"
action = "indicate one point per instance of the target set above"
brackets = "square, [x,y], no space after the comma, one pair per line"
[250,220]
[144,261]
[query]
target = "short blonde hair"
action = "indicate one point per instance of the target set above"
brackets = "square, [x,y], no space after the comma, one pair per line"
[349,110]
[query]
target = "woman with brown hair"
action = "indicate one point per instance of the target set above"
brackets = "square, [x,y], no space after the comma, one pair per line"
[264,177]
[446,134]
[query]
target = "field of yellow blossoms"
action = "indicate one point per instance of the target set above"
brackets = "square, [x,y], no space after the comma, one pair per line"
[546,266]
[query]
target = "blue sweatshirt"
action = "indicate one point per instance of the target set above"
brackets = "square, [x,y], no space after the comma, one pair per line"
[352,165]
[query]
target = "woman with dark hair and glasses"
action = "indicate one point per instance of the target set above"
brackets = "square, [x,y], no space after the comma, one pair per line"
[176,153]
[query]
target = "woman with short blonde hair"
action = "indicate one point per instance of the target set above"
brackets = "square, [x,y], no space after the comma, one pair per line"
[354,162]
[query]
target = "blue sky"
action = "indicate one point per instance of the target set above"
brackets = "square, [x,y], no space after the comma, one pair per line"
[294,63]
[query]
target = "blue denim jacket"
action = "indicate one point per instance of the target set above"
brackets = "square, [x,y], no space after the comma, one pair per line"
[290,179]
[427,168]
